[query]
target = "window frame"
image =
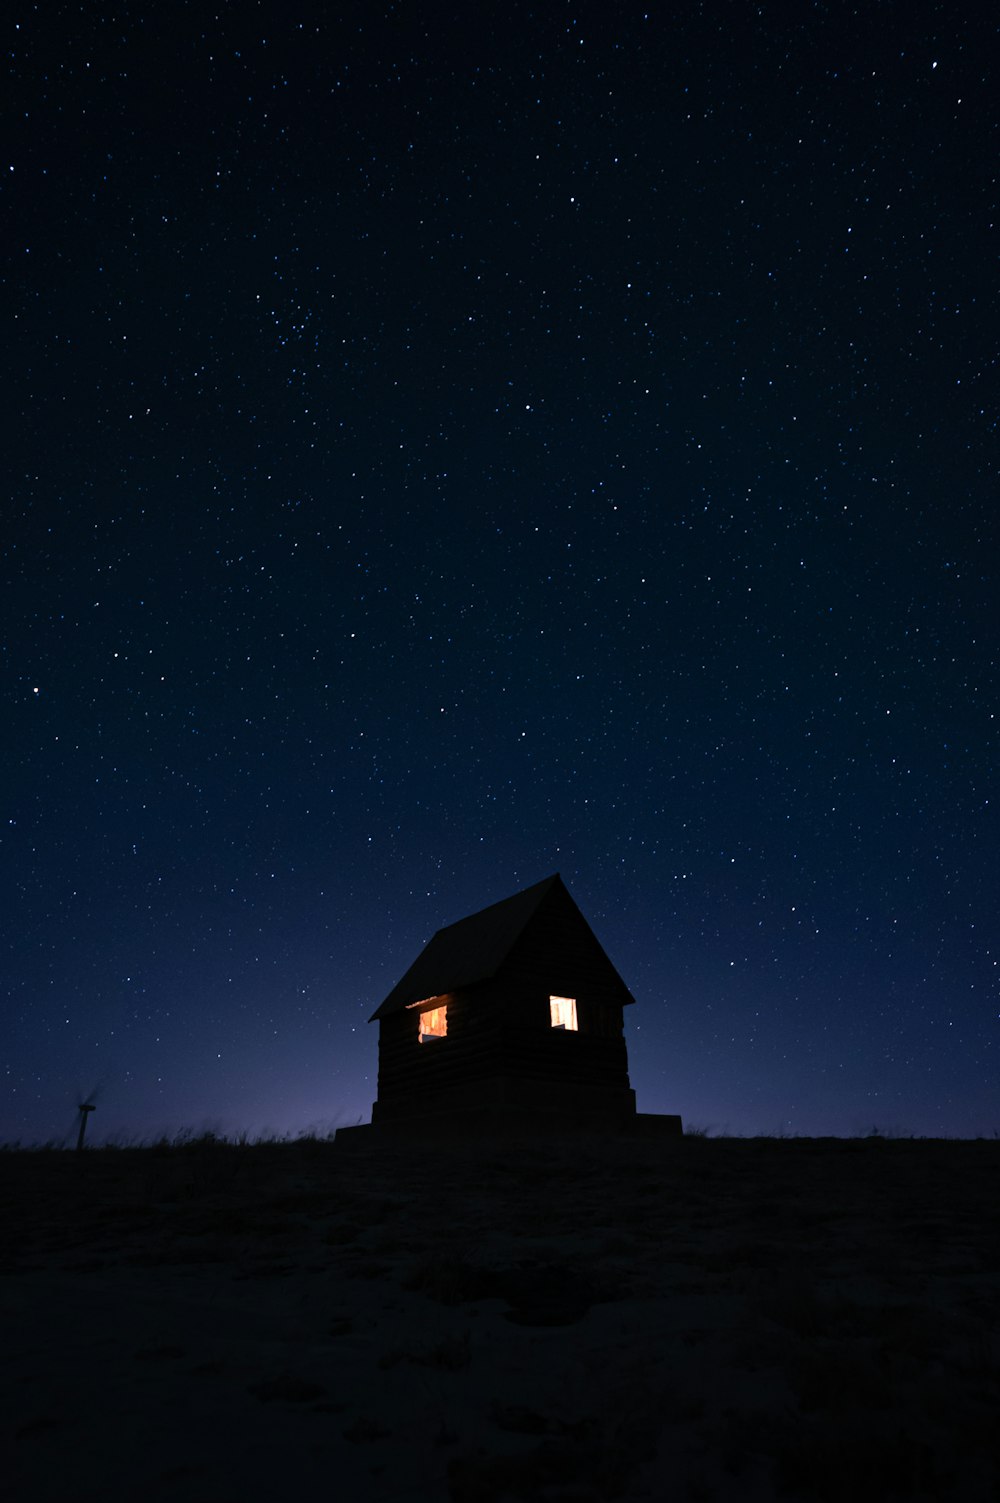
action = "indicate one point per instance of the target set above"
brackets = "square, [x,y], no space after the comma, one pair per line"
[566,1011]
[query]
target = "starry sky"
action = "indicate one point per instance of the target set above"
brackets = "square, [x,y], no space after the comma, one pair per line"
[452,444]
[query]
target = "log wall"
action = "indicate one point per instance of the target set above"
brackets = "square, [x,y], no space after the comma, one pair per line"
[500,1043]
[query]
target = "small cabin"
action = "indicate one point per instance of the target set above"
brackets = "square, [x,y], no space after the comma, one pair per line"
[510,1017]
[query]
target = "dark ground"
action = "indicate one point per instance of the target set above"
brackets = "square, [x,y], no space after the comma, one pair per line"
[708,1319]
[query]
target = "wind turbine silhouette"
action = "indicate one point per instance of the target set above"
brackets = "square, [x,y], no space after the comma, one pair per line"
[85,1107]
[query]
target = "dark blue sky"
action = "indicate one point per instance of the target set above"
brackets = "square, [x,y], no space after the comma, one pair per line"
[450,445]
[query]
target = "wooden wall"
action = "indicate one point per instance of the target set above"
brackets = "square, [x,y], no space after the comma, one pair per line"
[500,1030]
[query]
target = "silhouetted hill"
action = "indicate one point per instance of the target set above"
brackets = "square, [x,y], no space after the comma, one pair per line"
[577,1321]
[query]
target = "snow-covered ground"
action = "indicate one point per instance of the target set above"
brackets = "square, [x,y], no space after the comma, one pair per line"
[565,1323]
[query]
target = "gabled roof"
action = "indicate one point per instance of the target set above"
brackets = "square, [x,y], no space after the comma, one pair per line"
[471,950]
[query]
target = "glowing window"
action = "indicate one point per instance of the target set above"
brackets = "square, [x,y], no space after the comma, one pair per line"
[563,1012]
[434,1023]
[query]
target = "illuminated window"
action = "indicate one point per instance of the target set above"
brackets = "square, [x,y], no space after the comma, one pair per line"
[563,1012]
[434,1023]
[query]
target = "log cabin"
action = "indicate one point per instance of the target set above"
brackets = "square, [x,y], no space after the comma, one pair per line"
[510,1018]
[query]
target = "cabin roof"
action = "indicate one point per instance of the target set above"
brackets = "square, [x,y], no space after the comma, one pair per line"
[471,950]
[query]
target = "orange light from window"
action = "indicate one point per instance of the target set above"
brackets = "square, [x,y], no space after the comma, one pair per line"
[563,1013]
[434,1023]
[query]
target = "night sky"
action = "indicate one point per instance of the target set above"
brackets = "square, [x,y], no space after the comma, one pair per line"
[447,445]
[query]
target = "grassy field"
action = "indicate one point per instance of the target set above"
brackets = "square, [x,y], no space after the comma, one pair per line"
[559,1322]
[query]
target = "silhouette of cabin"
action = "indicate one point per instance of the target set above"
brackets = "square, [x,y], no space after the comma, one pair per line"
[512,1017]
